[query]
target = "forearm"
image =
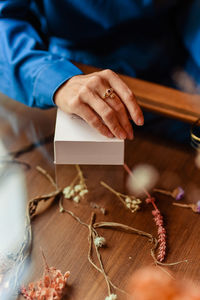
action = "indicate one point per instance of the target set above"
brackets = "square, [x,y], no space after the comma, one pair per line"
[29,73]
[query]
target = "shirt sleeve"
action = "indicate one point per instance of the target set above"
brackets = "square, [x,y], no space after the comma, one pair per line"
[191,39]
[28,72]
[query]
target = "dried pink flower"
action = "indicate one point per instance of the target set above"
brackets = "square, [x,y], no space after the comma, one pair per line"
[158,219]
[161,230]
[50,287]
[161,234]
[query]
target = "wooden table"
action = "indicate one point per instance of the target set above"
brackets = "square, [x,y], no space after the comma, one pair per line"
[65,242]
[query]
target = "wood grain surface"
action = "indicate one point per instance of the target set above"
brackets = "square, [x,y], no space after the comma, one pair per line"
[162,143]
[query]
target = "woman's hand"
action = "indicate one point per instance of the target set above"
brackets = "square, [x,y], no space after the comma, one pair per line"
[84,95]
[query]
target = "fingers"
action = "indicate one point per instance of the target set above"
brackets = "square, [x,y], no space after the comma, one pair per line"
[86,113]
[125,94]
[116,104]
[83,95]
[106,113]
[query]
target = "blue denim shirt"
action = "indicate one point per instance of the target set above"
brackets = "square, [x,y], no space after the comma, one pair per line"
[143,38]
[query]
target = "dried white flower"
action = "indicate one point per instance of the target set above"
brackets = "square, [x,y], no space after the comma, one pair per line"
[111,297]
[128,200]
[78,187]
[72,193]
[135,208]
[144,178]
[67,192]
[128,205]
[76,199]
[67,189]
[83,192]
[136,201]
[99,241]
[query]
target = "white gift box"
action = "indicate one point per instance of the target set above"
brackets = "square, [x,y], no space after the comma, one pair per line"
[75,142]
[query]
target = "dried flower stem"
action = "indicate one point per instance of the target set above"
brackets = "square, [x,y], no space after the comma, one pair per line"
[69,212]
[153,240]
[111,189]
[47,175]
[164,192]
[177,193]
[129,201]
[80,174]
[74,180]
[191,206]
[92,234]
[119,195]
[158,220]
[33,203]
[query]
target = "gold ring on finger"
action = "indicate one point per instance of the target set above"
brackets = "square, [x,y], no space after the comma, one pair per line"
[109,93]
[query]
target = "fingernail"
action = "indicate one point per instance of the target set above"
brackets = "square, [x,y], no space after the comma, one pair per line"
[122,136]
[130,135]
[140,121]
[110,135]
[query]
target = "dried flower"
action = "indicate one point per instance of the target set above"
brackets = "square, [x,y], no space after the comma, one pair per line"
[50,287]
[83,192]
[161,230]
[76,199]
[161,234]
[157,218]
[111,297]
[152,283]
[198,206]
[67,192]
[143,177]
[194,206]
[95,205]
[78,187]
[99,241]
[76,191]
[178,193]
[129,201]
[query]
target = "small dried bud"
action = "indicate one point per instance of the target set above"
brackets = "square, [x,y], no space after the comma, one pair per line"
[128,205]
[83,192]
[128,200]
[76,199]
[198,206]
[67,192]
[72,193]
[61,210]
[99,241]
[111,297]
[178,193]
[78,187]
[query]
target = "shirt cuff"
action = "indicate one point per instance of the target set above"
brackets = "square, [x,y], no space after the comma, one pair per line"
[49,79]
